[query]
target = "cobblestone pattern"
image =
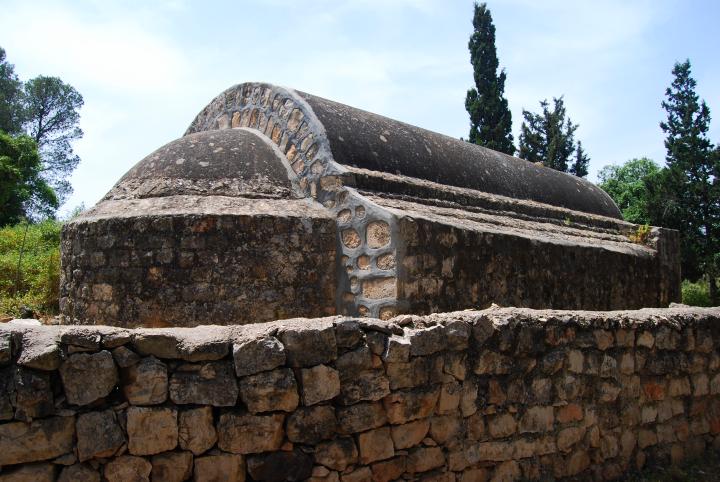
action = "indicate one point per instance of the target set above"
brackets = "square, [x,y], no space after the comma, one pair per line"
[190,270]
[288,121]
[500,394]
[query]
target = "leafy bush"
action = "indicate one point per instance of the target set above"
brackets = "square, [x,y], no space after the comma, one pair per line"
[695,294]
[36,284]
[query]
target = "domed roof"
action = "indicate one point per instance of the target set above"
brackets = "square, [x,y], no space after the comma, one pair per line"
[232,162]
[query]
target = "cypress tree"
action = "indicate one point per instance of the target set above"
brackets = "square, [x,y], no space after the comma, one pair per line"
[490,118]
[580,166]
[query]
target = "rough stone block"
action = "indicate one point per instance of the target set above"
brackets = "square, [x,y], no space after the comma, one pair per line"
[407,405]
[388,470]
[258,355]
[250,434]
[369,385]
[492,363]
[310,425]
[310,345]
[151,430]
[360,417]
[40,351]
[286,465]
[211,383]
[501,426]
[128,468]
[196,430]
[537,419]
[88,377]
[40,472]
[33,394]
[41,439]
[214,468]
[172,467]
[79,473]
[375,445]
[146,382]
[274,390]
[409,434]
[337,454]
[319,383]
[98,435]
[445,428]
[423,459]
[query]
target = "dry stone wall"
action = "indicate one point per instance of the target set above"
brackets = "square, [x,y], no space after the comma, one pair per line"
[499,394]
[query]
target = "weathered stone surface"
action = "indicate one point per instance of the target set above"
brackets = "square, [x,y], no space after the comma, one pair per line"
[492,363]
[398,350]
[275,390]
[80,339]
[288,466]
[196,430]
[151,430]
[146,382]
[387,470]
[257,355]
[220,467]
[409,434]
[39,350]
[424,459]
[41,472]
[200,344]
[98,435]
[369,385]
[361,474]
[41,439]
[128,468]
[348,333]
[79,473]
[537,419]
[250,434]
[210,383]
[33,394]
[501,426]
[88,377]
[319,383]
[352,363]
[125,357]
[337,454]
[309,345]
[427,341]
[375,445]
[6,351]
[360,417]
[406,405]
[312,424]
[172,467]
[445,428]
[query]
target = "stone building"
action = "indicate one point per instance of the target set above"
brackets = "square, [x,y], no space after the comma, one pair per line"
[277,203]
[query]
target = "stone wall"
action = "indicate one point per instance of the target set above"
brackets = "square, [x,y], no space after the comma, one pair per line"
[500,394]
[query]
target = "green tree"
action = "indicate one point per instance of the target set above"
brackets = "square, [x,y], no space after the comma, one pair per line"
[490,118]
[51,118]
[687,196]
[10,97]
[22,188]
[627,185]
[549,137]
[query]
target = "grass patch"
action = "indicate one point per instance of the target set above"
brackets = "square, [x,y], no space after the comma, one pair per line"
[33,280]
[695,294]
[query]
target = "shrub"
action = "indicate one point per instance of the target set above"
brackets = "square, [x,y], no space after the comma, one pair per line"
[695,294]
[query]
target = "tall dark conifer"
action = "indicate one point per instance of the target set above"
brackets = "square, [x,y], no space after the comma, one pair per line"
[490,118]
[581,163]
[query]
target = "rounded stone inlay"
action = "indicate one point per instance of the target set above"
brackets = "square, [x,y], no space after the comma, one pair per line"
[360,212]
[344,216]
[386,261]
[350,238]
[378,234]
[378,288]
[363,262]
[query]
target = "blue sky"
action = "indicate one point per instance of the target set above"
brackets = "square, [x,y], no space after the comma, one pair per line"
[146,68]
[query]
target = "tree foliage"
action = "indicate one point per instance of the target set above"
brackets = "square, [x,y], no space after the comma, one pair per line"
[627,185]
[549,137]
[490,118]
[22,188]
[11,106]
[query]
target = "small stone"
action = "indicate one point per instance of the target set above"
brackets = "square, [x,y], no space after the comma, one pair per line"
[33,394]
[196,430]
[388,470]
[172,467]
[445,428]
[98,435]
[250,434]
[361,474]
[370,385]
[424,459]
[492,363]
[398,350]
[409,434]
[568,437]
[128,468]
[449,398]
[571,412]
[275,390]
[211,383]
[360,417]
[293,465]
[407,405]
[457,335]
[348,333]
[146,382]
[30,473]
[337,454]
[39,350]
[258,355]
[375,445]
[645,339]
[427,341]
[42,439]
[319,383]
[537,419]
[151,430]
[309,345]
[221,467]
[88,377]
[312,424]
[79,473]
[576,463]
[501,426]
[125,357]
[468,398]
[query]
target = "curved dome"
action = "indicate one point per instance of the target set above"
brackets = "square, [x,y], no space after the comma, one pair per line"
[234,162]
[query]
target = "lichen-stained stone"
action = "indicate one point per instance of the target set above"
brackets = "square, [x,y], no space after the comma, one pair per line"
[88,377]
[427,341]
[290,466]
[375,445]
[398,350]
[492,363]
[336,454]
[5,348]
[537,419]
[146,382]
[309,345]
[250,434]
[387,470]
[79,473]
[468,398]
[568,437]
[39,350]
[407,405]
[445,428]
[80,339]
[409,434]
[319,383]
[352,363]
[200,344]
[449,400]
[275,390]
[40,472]
[125,357]
[128,468]
[312,424]
[33,394]
[196,430]
[172,466]
[42,439]
[423,459]
[370,385]
[211,383]
[360,417]
[348,333]
[151,430]
[220,467]
[501,426]
[256,355]
[98,435]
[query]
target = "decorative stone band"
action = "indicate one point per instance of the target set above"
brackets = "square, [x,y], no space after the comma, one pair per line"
[367,233]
